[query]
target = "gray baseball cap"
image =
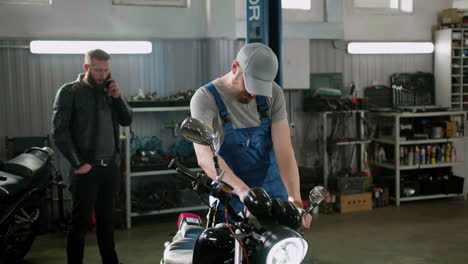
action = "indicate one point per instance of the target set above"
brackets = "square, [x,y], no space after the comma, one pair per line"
[259,65]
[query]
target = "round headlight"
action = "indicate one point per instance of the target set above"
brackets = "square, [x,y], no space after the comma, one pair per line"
[291,250]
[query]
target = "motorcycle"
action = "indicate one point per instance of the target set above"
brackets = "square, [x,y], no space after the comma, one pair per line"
[266,233]
[24,181]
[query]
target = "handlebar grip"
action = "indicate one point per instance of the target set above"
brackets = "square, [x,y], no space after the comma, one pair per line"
[174,164]
[232,213]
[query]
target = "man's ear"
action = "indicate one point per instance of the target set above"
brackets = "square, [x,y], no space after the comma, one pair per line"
[86,67]
[234,67]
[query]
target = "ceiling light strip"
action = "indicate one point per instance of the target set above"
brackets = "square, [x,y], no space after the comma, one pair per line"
[81,47]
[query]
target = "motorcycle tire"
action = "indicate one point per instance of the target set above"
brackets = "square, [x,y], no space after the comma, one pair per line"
[20,235]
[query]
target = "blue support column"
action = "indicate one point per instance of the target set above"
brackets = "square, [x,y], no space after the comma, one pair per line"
[264,22]
[275,35]
[257,21]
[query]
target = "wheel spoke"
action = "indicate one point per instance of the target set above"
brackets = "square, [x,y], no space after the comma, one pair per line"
[24,217]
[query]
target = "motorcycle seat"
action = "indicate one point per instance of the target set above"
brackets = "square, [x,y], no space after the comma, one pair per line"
[179,251]
[11,184]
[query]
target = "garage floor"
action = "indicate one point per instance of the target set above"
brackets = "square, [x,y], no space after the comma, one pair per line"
[429,232]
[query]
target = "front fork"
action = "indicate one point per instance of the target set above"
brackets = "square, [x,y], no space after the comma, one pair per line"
[211,221]
[237,250]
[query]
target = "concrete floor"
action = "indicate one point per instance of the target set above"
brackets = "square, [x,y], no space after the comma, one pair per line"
[429,232]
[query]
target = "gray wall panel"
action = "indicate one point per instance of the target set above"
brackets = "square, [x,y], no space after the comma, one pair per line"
[221,53]
[362,69]
[30,81]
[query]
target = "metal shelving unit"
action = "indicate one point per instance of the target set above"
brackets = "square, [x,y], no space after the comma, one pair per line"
[451,68]
[361,141]
[133,174]
[417,142]
[417,167]
[397,141]
[428,197]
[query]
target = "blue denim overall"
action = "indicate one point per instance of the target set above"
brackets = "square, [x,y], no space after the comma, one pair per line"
[249,152]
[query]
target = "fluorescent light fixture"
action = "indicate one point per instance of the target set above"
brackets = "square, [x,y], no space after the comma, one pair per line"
[390,47]
[296,4]
[81,47]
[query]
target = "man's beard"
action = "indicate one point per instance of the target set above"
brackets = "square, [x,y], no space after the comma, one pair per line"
[242,99]
[92,82]
[240,96]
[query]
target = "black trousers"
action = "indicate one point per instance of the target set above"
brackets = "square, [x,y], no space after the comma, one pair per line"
[95,190]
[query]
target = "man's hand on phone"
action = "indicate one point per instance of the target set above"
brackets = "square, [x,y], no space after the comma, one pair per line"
[85,168]
[114,88]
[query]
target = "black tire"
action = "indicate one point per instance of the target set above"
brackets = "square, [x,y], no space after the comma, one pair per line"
[19,237]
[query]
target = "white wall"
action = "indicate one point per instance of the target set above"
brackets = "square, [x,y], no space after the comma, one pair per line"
[360,25]
[462,4]
[227,19]
[220,18]
[99,19]
[205,18]
[315,14]
[323,21]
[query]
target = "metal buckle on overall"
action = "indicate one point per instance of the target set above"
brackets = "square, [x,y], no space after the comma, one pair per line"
[103,163]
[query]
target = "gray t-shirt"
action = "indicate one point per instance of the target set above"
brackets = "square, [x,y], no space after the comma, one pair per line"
[203,107]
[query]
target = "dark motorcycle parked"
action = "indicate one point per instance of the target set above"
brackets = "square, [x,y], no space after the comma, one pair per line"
[24,181]
[267,234]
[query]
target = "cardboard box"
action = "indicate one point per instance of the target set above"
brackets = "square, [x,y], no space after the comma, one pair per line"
[451,129]
[386,195]
[451,16]
[355,202]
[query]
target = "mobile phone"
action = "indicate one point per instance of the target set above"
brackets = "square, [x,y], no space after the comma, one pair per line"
[106,87]
[107,80]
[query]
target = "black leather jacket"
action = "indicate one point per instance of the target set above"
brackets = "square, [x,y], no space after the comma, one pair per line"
[75,119]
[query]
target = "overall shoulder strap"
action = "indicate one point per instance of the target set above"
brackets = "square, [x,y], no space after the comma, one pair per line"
[262,107]
[223,112]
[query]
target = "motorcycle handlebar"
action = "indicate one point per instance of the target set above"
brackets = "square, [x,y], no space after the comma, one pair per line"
[174,164]
[220,193]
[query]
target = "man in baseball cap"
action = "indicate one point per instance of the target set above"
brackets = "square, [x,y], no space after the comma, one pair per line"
[259,66]
[247,110]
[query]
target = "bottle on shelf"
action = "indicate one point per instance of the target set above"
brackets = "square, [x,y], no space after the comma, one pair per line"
[442,154]
[405,158]
[402,155]
[454,154]
[423,155]
[428,153]
[448,151]
[381,157]
[410,157]
[437,154]
[433,154]
[416,155]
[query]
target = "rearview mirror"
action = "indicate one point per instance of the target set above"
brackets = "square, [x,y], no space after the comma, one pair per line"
[195,131]
[316,196]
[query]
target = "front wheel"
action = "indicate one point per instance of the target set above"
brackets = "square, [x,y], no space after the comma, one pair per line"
[19,236]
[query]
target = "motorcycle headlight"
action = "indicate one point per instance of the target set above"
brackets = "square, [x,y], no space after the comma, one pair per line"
[290,250]
[281,245]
